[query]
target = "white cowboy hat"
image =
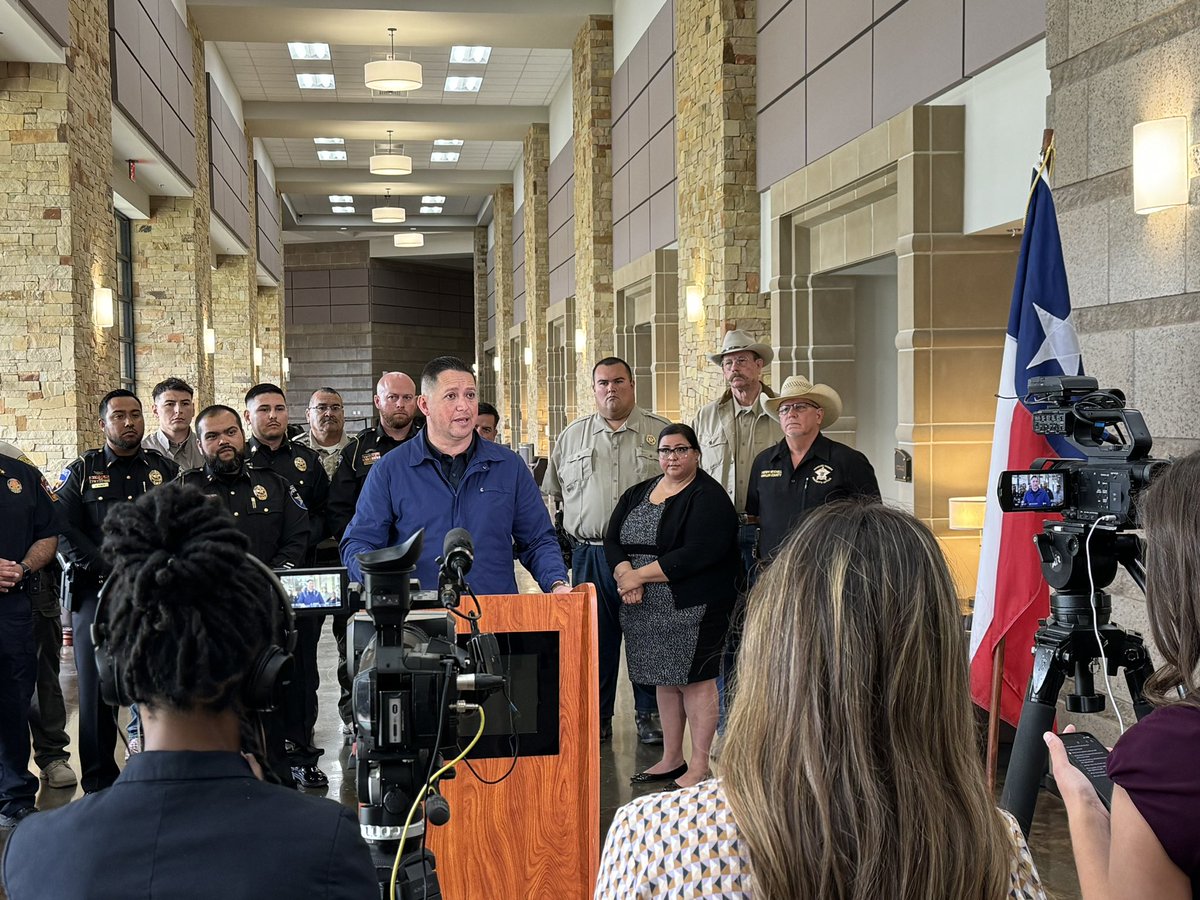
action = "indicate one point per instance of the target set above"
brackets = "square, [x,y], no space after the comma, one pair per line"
[738,340]
[797,387]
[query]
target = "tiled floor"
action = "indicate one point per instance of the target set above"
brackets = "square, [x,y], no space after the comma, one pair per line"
[619,760]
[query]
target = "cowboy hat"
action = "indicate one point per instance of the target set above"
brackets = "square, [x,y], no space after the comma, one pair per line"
[797,387]
[738,340]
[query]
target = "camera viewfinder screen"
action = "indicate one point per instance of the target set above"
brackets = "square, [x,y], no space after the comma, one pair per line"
[313,590]
[1037,490]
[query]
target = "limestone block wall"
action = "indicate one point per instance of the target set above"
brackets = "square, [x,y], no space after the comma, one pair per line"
[502,232]
[536,161]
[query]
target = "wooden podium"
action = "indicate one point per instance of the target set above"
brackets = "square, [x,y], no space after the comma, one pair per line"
[537,833]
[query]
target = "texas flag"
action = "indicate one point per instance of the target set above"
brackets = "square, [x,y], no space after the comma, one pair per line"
[1011,595]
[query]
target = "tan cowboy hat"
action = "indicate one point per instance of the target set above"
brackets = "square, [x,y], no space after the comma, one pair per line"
[738,340]
[797,387]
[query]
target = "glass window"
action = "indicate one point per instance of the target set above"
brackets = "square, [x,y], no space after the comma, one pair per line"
[124,301]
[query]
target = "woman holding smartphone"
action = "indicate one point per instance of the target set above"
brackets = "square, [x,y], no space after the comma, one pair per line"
[1149,846]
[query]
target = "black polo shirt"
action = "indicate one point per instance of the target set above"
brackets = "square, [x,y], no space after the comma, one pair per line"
[29,510]
[453,467]
[782,495]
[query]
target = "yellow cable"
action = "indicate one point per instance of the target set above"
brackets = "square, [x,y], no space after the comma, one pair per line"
[425,789]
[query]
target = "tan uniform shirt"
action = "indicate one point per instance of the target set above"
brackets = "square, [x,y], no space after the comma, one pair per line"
[330,456]
[592,465]
[728,446]
[186,455]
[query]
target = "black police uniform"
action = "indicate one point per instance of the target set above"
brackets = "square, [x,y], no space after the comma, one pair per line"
[364,450]
[302,467]
[782,495]
[29,515]
[89,488]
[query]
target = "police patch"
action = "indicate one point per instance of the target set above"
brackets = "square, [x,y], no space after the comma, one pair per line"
[155,477]
[260,492]
[822,474]
[295,495]
[301,465]
[15,485]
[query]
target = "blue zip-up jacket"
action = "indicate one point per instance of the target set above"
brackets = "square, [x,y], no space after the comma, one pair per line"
[497,501]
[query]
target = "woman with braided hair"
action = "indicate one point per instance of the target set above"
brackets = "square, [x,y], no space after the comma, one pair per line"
[188,615]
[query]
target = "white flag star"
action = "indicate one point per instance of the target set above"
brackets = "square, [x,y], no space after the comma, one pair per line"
[1061,343]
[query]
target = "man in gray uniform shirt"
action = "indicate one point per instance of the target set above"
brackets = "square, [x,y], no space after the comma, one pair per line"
[174,404]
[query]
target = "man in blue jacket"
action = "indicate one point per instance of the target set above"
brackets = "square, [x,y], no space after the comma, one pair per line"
[448,477]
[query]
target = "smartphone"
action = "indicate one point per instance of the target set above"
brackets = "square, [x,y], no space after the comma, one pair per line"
[1090,757]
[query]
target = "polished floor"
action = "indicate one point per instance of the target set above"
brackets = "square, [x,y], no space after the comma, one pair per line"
[619,760]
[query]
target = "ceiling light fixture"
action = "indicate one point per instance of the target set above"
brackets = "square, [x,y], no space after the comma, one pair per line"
[463,84]
[329,140]
[322,81]
[443,156]
[409,239]
[387,214]
[331,155]
[447,142]
[470,55]
[301,50]
[431,209]
[433,199]
[343,209]
[340,198]
[389,162]
[391,74]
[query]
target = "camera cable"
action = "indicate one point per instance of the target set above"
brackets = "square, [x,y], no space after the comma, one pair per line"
[1087,559]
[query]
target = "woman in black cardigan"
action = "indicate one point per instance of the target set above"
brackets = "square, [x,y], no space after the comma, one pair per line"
[672,543]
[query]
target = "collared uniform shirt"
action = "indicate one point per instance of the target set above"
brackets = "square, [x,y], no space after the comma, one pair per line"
[330,456]
[782,495]
[591,466]
[364,450]
[29,510]
[301,467]
[186,455]
[90,487]
[266,508]
[730,441]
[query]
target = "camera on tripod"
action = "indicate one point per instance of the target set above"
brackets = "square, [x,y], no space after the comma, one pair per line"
[412,684]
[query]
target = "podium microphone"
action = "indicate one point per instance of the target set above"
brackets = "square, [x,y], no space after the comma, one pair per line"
[458,553]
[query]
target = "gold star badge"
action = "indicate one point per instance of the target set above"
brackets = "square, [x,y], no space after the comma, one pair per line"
[15,485]
[260,492]
[155,477]
[301,465]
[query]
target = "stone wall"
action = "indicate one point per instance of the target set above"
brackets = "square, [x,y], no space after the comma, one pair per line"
[479,265]
[536,160]
[502,224]
[717,195]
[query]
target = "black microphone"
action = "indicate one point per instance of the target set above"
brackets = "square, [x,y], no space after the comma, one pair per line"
[458,552]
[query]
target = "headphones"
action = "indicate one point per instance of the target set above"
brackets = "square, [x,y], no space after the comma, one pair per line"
[262,686]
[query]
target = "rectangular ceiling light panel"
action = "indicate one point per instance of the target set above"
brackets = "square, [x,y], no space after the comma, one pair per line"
[433,199]
[340,198]
[301,50]
[316,81]
[470,55]
[431,209]
[447,142]
[443,156]
[462,84]
[331,155]
[329,140]
[343,209]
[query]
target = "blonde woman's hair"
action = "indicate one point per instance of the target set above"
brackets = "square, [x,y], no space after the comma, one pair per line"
[850,761]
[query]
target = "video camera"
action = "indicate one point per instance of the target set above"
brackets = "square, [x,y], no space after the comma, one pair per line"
[412,685]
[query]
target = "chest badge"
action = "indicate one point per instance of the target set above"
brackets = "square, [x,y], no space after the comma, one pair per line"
[15,486]
[300,464]
[823,474]
[260,492]
[371,457]
[650,439]
[155,477]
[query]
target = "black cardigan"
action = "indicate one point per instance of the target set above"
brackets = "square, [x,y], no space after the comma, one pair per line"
[696,545]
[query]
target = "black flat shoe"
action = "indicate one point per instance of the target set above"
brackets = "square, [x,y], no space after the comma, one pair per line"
[654,778]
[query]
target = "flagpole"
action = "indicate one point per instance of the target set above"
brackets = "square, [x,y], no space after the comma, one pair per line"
[993,724]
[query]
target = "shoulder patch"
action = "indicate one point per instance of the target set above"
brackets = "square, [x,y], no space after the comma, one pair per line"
[296,498]
[46,487]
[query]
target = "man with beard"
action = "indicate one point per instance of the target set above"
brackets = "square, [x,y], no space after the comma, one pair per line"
[326,415]
[121,470]
[174,405]
[266,508]
[269,448]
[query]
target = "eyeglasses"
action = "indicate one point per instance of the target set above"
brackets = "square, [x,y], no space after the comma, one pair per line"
[328,407]
[786,409]
[674,451]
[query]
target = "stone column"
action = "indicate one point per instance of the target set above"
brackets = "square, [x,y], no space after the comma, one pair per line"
[270,334]
[718,196]
[536,162]
[592,70]
[480,262]
[502,225]
[234,296]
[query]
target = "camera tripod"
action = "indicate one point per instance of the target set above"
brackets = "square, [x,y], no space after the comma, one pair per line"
[1066,644]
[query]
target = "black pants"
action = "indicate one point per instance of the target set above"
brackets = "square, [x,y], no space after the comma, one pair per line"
[300,696]
[48,712]
[345,686]
[18,788]
[97,720]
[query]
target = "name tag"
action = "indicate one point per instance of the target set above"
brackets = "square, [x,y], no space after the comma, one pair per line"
[771,473]
[98,481]
[370,457]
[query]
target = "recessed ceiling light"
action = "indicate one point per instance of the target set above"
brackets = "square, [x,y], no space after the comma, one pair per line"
[301,50]
[447,142]
[331,155]
[443,156]
[329,140]
[459,84]
[317,82]
[433,199]
[431,209]
[470,55]
[340,198]
[343,209]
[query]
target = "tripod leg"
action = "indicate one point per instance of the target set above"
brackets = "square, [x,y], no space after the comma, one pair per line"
[1137,669]
[1028,761]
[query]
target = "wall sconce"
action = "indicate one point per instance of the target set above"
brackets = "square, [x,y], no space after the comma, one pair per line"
[966,513]
[103,312]
[257,356]
[529,356]
[496,364]
[210,341]
[1160,164]
[580,340]
[287,368]
[694,302]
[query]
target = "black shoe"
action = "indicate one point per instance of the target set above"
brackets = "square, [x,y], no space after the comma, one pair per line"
[605,730]
[649,729]
[309,777]
[13,819]
[649,778]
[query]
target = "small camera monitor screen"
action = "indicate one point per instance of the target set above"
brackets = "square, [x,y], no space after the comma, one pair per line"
[315,591]
[1037,490]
